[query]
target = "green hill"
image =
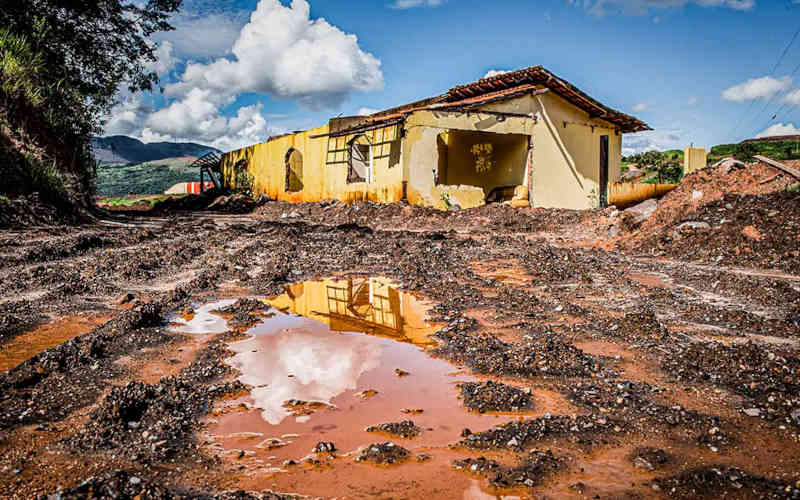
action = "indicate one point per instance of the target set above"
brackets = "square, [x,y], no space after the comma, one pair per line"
[775,149]
[144,178]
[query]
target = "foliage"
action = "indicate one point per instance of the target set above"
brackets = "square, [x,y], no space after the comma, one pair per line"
[667,166]
[744,152]
[61,64]
[777,150]
[243,182]
[129,201]
[144,178]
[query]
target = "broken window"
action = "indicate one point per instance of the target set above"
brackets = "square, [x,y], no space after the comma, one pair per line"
[294,171]
[360,164]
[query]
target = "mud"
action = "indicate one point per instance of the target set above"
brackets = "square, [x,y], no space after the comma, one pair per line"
[691,373]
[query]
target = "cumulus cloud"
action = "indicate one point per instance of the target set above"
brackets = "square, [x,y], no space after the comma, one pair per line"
[638,7]
[495,72]
[285,53]
[792,98]
[640,107]
[757,88]
[659,140]
[779,129]
[281,51]
[410,4]
[366,111]
[165,60]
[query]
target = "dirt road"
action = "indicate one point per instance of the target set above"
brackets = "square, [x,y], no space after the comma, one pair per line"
[631,375]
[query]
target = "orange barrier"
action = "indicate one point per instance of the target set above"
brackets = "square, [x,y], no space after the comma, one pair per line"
[626,194]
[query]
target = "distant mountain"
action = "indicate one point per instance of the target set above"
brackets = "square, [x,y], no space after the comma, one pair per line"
[119,149]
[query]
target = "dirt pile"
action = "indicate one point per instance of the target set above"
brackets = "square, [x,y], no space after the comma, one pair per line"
[518,435]
[719,203]
[725,482]
[129,485]
[383,453]
[150,423]
[534,467]
[404,429]
[32,210]
[494,396]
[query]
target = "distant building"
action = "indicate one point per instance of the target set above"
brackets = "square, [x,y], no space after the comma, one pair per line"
[526,136]
[189,187]
[693,159]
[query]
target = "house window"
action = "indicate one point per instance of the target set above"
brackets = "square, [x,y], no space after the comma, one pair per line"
[360,166]
[294,171]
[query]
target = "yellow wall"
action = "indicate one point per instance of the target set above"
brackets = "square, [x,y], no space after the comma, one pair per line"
[693,159]
[421,152]
[566,158]
[321,181]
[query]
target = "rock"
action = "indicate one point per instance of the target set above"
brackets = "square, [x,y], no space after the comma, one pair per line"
[642,211]
[696,195]
[752,412]
[324,447]
[693,225]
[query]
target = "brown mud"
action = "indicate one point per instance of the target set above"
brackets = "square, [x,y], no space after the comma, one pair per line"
[670,374]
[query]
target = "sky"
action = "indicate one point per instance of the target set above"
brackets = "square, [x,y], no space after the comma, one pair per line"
[702,72]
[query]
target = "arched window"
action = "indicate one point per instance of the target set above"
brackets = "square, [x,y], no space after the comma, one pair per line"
[294,171]
[360,160]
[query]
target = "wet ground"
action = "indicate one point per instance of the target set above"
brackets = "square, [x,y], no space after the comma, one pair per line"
[216,353]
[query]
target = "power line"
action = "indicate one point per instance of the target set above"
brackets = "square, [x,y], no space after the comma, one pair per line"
[796,69]
[771,73]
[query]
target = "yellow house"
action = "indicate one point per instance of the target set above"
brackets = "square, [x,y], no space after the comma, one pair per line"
[526,137]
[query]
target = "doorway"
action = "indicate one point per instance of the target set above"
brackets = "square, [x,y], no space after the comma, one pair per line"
[603,171]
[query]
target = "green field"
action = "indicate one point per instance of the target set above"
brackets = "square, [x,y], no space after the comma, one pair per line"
[777,150]
[144,178]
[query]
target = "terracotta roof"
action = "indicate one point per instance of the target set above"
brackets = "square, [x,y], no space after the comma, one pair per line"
[537,75]
[506,86]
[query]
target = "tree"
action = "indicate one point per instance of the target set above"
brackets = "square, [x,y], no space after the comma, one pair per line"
[744,152]
[63,62]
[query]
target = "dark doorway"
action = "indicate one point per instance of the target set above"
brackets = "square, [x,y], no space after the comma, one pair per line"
[603,171]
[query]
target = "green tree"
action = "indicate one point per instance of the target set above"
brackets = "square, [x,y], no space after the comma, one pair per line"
[61,65]
[744,152]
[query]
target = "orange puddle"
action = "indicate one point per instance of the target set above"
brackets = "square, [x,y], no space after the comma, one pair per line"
[27,345]
[309,368]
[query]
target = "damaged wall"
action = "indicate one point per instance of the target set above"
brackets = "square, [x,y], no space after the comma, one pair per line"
[422,147]
[324,168]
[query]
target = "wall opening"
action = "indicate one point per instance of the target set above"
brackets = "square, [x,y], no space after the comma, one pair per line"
[494,162]
[294,171]
[360,161]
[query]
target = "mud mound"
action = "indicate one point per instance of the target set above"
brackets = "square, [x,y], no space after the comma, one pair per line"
[769,378]
[129,485]
[494,396]
[32,210]
[544,355]
[530,472]
[519,434]
[404,429]
[383,453]
[724,482]
[701,188]
[754,231]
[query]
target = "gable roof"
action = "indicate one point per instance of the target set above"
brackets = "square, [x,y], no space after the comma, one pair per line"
[537,75]
[506,86]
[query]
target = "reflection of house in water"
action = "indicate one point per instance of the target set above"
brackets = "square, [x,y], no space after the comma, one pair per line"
[367,305]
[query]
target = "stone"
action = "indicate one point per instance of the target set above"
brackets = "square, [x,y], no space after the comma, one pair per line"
[751,233]
[693,225]
[642,211]
[752,412]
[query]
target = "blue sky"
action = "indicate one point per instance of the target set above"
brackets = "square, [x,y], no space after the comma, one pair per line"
[700,71]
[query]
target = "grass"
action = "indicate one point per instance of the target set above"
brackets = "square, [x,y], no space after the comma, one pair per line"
[144,178]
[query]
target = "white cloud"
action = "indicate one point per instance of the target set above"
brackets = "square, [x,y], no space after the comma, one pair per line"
[640,107]
[659,140]
[779,129]
[692,101]
[757,88]
[410,4]
[792,98]
[165,61]
[366,111]
[638,7]
[495,72]
[283,52]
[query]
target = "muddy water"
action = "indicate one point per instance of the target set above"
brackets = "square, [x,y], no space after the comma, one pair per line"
[27,345]
[334,358]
